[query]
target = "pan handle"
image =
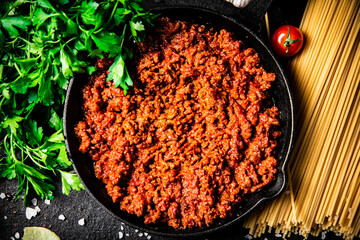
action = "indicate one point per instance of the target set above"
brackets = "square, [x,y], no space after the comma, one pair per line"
[253,16]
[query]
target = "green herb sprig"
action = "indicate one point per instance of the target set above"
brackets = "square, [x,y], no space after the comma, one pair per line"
[43,43]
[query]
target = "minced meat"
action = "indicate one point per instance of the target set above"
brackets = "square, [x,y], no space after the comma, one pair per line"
[195,134]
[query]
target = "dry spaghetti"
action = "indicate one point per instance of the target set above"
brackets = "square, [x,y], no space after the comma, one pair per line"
[324,169]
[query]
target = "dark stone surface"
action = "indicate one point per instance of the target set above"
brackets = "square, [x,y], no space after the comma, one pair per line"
[99,224]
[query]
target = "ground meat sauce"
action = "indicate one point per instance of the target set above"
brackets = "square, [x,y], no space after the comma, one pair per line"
[194,135]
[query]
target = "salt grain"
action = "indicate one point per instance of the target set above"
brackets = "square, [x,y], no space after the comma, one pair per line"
[2,195]
[12,238]
[5,217]
[30,212]
[323,235]
[278,235]
[17,235]
[81,222]
[141,234]
[121,227]
[127,234]
[248,236]
[121,235]
[149,237]
[61,217]
[145,234]
[34,201]
[136,230]
[47,201]
[37,209]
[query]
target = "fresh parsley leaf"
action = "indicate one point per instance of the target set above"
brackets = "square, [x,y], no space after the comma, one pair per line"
[12,123]
[42,189]
[40,17]
[108,42]
[120,15]
[34,133]
[57,137]
[45,89]
[11,23]
[55,121]
[71,28]
[88,15]
[20,85]
[62,158]
[136,27]
[7,169]
[65,64]
[46,4]
[119,74]
[70,181]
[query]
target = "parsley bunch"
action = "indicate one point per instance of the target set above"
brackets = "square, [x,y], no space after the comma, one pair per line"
[43,44]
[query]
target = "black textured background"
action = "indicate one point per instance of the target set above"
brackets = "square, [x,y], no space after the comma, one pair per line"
[99,224]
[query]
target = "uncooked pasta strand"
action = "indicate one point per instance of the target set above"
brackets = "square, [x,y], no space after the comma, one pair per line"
[324,168]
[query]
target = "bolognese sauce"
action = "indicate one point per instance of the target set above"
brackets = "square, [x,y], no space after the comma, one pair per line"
[195,134]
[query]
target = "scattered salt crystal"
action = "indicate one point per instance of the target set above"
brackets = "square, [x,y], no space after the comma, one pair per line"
[17,235]
[30,212]
[336,218]
[37,209]
[5,217]
[149,237]
[127,234]
[350,210]
[121,227]
[61,217]
[141,234]
[12,238]
[47,201]
[287,192]
[136,230]
[265,238]
[34,201]
[248,236]
[81,222]
[278,235]
[323,235]
[121,235]
[145,234]
[2,195]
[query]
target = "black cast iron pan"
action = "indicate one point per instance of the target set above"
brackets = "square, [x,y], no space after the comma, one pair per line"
[281,95]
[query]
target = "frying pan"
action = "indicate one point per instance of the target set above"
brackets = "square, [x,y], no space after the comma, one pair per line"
[281,96]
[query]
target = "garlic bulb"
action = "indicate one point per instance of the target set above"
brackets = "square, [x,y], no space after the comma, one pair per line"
[239,3]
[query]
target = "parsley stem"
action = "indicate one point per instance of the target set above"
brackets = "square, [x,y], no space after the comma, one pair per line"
[113,12]
[1,71]
[122,39]
[17,69]
[12,148]
[70,40]
[34,161]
